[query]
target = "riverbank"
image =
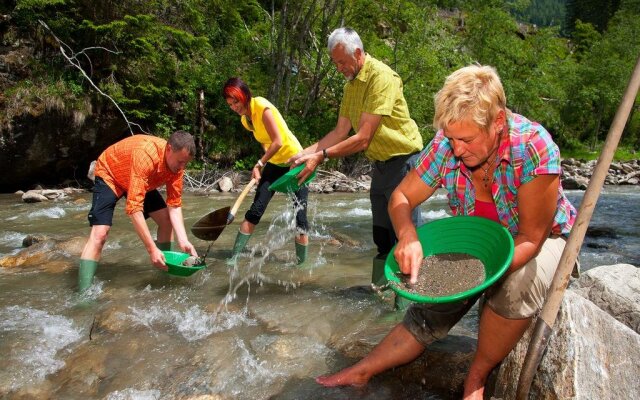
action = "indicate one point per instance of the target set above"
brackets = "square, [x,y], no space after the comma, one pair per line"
[576,175]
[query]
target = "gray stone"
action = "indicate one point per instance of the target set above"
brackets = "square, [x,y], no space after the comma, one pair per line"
[615,289]
[33,196]
[590,355]
[225,184]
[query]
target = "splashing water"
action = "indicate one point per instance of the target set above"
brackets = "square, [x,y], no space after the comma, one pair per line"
[282,230]
[35,356]
[132,394]
[52,212]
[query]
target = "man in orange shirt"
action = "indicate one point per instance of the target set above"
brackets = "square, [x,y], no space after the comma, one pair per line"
[135,167]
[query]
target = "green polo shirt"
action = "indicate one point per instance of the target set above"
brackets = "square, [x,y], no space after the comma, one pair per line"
[377,89]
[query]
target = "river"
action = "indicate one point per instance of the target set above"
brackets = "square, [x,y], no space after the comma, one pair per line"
[139,333]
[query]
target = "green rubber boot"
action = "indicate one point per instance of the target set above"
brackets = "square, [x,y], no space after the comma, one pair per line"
[85,274]
[238,246]
[377,273]
[301,253]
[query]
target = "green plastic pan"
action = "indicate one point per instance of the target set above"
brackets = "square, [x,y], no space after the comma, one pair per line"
[476,236]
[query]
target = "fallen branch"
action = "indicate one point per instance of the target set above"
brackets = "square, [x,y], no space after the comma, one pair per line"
[73,60]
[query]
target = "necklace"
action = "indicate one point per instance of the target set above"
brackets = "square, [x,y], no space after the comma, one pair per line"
[486,179]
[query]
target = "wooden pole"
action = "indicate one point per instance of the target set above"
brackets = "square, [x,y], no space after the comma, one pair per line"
[544,324]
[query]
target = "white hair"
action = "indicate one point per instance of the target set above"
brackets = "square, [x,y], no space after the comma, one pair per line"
[346,37]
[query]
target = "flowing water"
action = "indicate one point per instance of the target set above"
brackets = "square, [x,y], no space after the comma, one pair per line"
[260,330]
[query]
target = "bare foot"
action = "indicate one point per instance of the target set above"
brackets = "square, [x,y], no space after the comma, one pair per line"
[473,388]
[347,377]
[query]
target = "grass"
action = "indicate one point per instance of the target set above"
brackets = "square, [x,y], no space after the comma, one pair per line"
[623,153]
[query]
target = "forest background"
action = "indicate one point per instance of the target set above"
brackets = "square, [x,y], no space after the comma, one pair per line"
[563,63]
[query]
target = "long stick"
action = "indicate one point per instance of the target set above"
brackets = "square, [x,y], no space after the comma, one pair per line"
[544,324]
[236,205]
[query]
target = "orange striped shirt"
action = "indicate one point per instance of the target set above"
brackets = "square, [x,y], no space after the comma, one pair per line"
[135,166]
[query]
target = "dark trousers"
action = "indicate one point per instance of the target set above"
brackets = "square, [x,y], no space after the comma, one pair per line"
[270,174]
[386,176]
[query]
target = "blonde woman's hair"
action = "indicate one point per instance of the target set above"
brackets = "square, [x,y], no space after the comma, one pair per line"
[473,93]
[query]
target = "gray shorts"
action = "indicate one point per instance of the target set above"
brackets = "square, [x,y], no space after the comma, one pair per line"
[518,296]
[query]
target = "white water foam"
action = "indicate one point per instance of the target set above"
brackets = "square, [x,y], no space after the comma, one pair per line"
[11,239]
[133,394]
[51,212]
[434,214]
[192,323]
[34,338]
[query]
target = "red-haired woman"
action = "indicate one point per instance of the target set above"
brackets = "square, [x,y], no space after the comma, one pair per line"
[262,118]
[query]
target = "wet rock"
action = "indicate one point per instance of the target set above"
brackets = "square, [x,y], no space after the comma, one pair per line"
[33,239]
[602,231]
[41,391]
[33,256]
[113,320]
[48,254]
[341,239]
[84,369]
[590,355]
[33,196]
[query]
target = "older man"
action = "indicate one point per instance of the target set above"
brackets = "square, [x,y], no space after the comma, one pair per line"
[135,167]
[374,106]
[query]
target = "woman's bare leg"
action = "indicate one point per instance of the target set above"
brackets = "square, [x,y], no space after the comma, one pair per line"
[497,336]
[397,348]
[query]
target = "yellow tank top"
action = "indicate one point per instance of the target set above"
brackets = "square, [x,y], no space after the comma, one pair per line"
[290,144]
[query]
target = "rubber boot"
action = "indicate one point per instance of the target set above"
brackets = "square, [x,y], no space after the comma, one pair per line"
[377,273]
[301,253]
[238,246]
[85,274]
[165,246]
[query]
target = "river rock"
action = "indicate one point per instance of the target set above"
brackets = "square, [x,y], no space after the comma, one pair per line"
[33,196]
[575,183]
[615,289]
[83,371]
[225,184]
[590,355]
[113,320]
[33,239]
[51,255]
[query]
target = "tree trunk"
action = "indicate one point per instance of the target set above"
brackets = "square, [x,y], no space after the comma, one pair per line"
[200,126]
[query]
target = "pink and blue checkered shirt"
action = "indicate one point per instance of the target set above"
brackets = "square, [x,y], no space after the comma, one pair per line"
[528,151]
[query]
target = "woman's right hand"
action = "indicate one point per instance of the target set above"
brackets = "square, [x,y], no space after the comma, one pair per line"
[256,172]
[408,254]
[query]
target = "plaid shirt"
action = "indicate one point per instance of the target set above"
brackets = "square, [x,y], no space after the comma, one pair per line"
[528,151]
[135,166]
[377,89]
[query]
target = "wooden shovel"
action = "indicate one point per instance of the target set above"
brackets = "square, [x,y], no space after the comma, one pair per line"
[211,225]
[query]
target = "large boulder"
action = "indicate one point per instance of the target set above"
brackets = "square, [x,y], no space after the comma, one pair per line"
[590,355]
[615,289]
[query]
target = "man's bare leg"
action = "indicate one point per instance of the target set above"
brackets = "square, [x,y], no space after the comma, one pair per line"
[397,348]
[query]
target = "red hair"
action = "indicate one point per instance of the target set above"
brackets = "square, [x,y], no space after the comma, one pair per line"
[235,88]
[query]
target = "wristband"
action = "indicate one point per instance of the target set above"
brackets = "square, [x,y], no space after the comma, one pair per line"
[325,155]
[260,163]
